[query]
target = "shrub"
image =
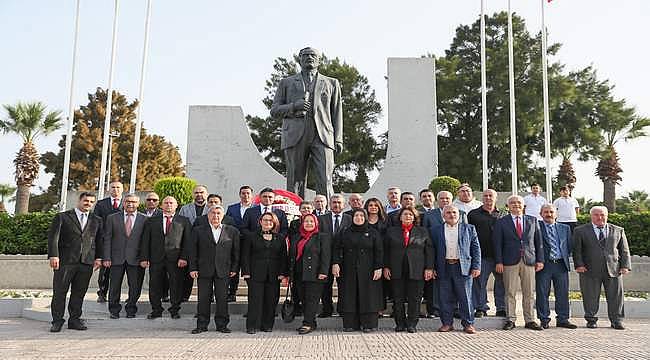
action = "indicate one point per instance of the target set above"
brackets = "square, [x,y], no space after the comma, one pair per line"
[637,229]
[178,187]
[25,233]
[444,183]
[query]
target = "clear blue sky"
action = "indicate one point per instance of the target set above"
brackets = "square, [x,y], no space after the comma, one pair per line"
[220,53]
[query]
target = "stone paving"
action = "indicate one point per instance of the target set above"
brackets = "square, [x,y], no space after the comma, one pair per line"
[171,339]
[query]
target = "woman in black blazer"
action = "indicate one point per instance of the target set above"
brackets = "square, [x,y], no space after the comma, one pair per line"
[264,265]
[309,263]
[377,220]
[408,262]
[357,263]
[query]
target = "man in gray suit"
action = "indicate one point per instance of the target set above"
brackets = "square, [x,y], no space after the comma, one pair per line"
[601,256]
[309,104]
[122,235]
[198,207]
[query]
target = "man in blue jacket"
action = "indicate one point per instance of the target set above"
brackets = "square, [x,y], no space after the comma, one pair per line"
[457,263]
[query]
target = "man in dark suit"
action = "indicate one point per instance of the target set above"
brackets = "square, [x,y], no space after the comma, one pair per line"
[214,258]
[320,205]
[74,248]
[309,104]
[519,254]
[122,236]
[162,242]
[601,256]
[355,201]
[151,205]
[105,207]
[236,211]
[192,212]
[332,224]
[458,262]
[557,249]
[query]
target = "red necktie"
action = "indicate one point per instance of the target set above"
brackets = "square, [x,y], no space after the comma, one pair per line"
[168,224]
[520,231]
[115,204]
[129,224]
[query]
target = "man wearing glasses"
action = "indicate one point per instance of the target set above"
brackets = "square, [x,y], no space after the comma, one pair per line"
[151,205]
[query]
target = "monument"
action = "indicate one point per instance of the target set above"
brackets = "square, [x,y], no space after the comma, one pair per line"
[309,104]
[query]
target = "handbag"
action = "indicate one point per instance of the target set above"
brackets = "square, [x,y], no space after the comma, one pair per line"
[288,310]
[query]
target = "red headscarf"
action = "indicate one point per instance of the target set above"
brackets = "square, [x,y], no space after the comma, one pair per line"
[305,235]
[406,232]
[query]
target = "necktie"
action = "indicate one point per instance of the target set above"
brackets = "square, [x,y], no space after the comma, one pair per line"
[265,210]
[336,223]
[601,237]
[555,245]
[520,230]
[168,224]
[83,221]
[115,204]
[128,224]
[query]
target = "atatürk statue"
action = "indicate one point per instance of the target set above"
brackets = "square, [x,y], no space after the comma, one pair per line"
[309,104]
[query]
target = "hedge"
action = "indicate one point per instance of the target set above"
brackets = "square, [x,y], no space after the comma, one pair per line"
[179,187]
[444,183]
[25,233]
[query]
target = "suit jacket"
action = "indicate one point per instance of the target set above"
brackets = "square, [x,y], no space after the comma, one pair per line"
[563,232]
[70,244]
[327,109]
[469,249]
[118,247]
[234,211]
[587,252]
[189,211]
[156,212]
[252,217]
[433,218]
[156,246]
[203,220]
[419,252]
[326,225]
[104,207]
[507,245]
[264,260]
[214,259]
[316,257]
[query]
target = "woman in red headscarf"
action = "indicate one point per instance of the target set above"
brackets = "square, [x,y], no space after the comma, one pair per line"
[309,262]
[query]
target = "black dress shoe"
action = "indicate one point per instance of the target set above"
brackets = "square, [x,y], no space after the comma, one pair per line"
[231,298]
[224,330]
[199,330]
[567,325]
[478,314]
[368,330]
[250,331]
[533,326]
[115,316]
[543,324]
[56,327]
[305,330]
[348,329]
[592,324]
[165,299]
[618,325]
[411,330]
[152,316]
[101,299]
[77,325]
[325,315]
[509,325]
[130,316]
[400,328]
[266,330]
[500,313]
[176,316]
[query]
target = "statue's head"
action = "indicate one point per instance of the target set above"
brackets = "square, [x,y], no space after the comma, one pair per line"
[309,58]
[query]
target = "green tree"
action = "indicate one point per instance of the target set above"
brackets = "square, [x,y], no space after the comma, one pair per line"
[157,158]
[362,153]
[635,201]
[5,190]
[29,121]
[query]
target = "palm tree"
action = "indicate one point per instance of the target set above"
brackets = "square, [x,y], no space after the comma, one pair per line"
[5,190]
[28,120]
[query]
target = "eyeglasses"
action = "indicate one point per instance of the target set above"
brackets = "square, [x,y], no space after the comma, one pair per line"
[152,199]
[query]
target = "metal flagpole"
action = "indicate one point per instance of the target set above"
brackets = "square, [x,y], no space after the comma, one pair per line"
[513,130]
[435,121]
[109,104]
[138,117]
[484,133]
[68,136]
[547,126]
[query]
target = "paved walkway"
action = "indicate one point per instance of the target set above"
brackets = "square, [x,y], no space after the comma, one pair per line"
[169,339]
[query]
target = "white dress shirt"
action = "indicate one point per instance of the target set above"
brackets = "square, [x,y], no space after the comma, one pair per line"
[521,221]
[164,222]
[216,232]
[534,205]
[243,208]
[451,241]
[340,215]
[82,219]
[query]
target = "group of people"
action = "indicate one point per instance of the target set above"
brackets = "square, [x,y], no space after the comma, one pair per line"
[442,252]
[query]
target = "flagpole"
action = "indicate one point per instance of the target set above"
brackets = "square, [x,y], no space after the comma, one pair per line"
[547,126]
[138,116]
[484,133]
[513,130]
[109,104]
[68,136]
[435,121]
